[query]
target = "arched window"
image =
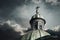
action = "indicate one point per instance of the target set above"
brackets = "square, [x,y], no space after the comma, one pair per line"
[36,25]
[40,26]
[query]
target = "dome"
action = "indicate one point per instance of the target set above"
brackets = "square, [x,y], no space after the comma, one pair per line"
[37,16]
[32,35]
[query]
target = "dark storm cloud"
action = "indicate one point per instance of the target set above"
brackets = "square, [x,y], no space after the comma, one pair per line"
[10,3]
[7,6]
[20,11]
[54,34]
[13,9]
[6,9]
[8,33]
[55,31]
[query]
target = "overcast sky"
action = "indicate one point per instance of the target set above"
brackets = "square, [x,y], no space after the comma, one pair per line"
[21,11]
[16,14]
